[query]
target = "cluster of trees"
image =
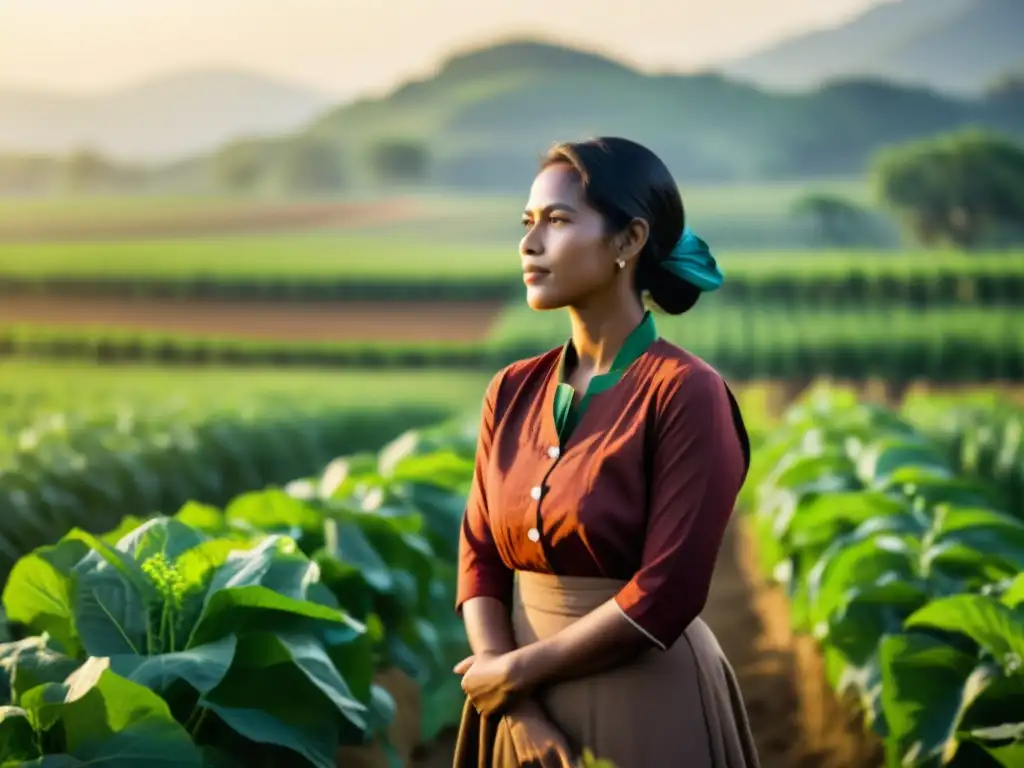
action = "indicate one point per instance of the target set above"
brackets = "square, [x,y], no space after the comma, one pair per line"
[83,170]
[307,164]
[303,164]
[964,189]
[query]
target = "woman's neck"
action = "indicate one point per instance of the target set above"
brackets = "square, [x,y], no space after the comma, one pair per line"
[599,333]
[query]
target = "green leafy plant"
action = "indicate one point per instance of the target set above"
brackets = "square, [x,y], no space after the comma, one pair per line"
[906,572]
[217,628]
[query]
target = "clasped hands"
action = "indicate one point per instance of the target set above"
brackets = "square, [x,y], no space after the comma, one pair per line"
[495,683]
[492,682]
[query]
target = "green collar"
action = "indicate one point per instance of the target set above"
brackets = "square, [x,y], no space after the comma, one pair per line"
[639,339]
[566,416]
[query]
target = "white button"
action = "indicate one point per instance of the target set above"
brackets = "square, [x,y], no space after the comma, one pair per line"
[533,535]
[535,492]
[553,452]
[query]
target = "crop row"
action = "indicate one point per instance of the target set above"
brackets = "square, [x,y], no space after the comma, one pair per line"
[982,439]
[73,457]
[771,283]
[942,346]
[908,574]
[299,627]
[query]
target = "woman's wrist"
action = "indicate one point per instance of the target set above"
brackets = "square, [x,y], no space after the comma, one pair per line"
[529,666]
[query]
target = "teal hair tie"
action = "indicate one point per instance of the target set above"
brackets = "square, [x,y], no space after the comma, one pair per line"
[691,260]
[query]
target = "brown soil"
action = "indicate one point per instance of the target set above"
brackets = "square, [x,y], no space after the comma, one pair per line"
[796,720]
[406,321]
[219,218]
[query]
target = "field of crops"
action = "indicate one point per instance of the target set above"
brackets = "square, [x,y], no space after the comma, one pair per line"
[191,574]
[901,549]
[298,627]
[970,344]
[899,539]
[86,447]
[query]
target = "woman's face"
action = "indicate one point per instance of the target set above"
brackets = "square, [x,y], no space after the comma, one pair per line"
[566,253]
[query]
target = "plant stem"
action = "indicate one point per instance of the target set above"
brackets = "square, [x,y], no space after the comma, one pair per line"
[194,730]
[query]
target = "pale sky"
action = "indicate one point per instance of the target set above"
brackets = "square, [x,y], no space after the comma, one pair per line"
[350,46]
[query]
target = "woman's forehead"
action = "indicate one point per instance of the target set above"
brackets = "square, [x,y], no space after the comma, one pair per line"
[556,185]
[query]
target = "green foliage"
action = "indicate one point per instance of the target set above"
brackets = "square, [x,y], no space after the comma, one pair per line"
[94,450]
[836,221]
[959,189]
[397,161]
[248,635]
[241,165]
[309,165]
[907,573]
[967,345]
[983,440]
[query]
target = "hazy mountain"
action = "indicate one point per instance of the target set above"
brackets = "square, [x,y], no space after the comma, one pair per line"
[158,119]
[487,115]
[959,46]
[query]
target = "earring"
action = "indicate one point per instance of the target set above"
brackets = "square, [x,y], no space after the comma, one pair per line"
[621,262]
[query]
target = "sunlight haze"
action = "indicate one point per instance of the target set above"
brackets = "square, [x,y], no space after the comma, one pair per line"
[344,47]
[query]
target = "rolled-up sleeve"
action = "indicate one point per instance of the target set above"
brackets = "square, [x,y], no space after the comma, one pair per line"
[481,573]
[698,466]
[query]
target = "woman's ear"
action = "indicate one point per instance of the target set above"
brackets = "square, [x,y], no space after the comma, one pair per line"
[631,240]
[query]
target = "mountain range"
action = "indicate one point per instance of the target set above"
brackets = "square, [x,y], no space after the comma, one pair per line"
[487,114]
[157,120]
[956,46]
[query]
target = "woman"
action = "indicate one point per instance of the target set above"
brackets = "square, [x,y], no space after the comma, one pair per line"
[606,472]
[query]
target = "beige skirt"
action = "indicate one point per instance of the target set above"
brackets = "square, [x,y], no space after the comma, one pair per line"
[681,707]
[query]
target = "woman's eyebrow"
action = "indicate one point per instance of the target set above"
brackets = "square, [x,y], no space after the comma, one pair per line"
[554,207]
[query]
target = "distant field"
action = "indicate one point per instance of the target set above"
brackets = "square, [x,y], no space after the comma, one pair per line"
[747,215]
[707,328]
[277,257]
[35,386]
[397,256]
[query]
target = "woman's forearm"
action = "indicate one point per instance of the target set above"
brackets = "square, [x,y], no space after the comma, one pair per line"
[489,629]
[601,640]
[488,626]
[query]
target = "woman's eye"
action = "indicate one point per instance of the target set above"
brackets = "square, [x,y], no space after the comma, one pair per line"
[526,223]
[558,220]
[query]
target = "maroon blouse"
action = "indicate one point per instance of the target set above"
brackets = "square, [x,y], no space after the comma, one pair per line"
[641,491]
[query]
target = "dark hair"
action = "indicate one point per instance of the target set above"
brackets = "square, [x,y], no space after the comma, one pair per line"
[622,181]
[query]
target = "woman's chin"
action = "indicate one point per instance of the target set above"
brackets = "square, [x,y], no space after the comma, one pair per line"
[540,301]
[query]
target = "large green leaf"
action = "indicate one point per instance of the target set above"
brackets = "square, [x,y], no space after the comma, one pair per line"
[997,629]
[879,462]
[995,713]
[17,737]
[1008,755]
[345,542]
[275,563]
[922,684]
[39,592]
[311,735]
[254,609]
[111,721]
[202,667]
[160,536]
[820,520]
[274,511]
[850,564]
[28,663]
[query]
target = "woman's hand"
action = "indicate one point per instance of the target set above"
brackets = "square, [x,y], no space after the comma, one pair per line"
[538,742]
[488,682]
